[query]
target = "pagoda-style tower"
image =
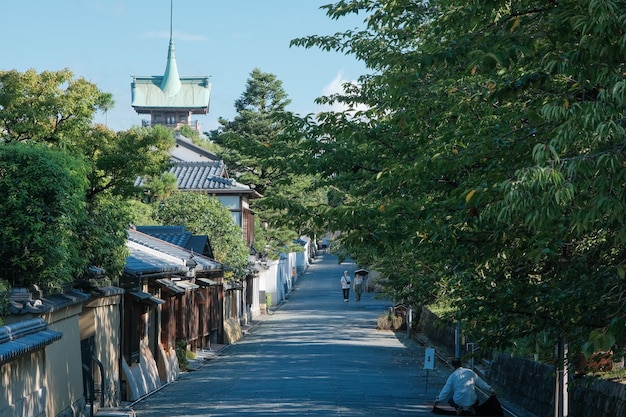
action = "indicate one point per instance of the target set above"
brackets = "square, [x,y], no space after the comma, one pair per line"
[170,99]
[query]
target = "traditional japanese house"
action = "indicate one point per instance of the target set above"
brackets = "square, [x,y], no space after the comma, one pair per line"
[165,286]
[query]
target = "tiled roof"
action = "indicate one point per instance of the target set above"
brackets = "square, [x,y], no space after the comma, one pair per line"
[64,299]
[199,175]
[24,337]
[195,175]
[146,298]
[206,176]
[198,244]
[107,291]
[152,255]
[141,261]
[169,286]
[21,301]
[176,235]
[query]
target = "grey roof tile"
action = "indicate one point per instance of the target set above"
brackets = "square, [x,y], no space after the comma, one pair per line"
[200,175]
[177,235]
[24,337]
[152,255]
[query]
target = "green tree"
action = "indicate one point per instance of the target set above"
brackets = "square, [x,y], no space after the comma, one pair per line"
[50,107]
[117,159]
[205,215]
[188,132]
[56,109]
[486,168]
[41,216]
[255,147]
[247,140]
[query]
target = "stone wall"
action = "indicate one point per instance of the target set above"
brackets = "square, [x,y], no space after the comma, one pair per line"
[590,397]
[526,383]
[530,384]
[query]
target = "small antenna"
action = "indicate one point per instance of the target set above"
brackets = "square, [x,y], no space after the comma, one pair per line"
[171,18]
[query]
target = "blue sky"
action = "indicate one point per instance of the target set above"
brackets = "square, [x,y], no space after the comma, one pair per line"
[109,41]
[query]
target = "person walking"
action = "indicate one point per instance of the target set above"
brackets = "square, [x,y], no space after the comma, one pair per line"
[460,389]
[358,286]
[345,285]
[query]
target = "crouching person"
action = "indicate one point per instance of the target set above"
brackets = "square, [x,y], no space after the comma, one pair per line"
[460,389]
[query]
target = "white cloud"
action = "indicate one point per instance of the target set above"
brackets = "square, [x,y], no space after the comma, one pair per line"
[336,87]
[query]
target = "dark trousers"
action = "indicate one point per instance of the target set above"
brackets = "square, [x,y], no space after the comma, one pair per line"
[455,405]
[358,290]
[346,293]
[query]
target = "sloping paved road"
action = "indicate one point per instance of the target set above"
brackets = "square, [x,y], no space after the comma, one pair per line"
[314,356]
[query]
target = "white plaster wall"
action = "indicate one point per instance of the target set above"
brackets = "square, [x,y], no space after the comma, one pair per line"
[23,392]
[63,362]
[143,377]
[107,351]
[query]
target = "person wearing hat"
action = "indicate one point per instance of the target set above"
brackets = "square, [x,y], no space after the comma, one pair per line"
[460,389]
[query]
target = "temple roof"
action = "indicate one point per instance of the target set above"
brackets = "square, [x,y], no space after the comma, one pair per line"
[170,83]
[193,95]
[209,177]
[170,91]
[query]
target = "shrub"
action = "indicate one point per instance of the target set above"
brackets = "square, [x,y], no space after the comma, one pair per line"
[181,354]
[389,321]
[4,299]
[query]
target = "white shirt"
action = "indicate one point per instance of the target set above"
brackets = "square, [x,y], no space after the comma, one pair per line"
[461,384]
[345,282]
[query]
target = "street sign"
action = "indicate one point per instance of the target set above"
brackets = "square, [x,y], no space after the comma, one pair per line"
[429,359]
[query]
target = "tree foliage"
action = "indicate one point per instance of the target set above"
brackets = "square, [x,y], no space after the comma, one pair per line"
[248,139]
[51,107]
[256,150]
[41,216]
[482,160]
[204,215]
[56,110]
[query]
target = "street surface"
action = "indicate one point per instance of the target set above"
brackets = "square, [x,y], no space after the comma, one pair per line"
[313,356]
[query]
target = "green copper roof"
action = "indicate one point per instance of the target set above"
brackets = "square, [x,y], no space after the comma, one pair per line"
[170,85]
[171,91]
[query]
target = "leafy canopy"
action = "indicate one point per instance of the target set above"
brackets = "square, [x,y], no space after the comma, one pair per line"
[55,109]
[41,216]
[256,149]
[204,215]
[481,162]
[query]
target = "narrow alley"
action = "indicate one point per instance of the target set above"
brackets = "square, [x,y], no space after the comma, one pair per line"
[313,356]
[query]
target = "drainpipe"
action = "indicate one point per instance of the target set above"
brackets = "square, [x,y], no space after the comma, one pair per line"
[89,376]
[103,382]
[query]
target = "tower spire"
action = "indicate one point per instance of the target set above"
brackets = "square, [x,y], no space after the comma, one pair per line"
[171,19]
[171,85]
